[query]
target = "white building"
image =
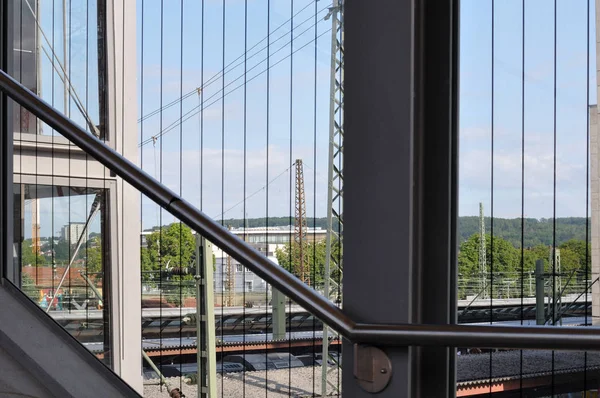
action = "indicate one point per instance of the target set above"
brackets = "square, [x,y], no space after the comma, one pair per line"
[73,231]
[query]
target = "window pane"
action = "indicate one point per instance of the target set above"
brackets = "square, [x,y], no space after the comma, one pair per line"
[62,256]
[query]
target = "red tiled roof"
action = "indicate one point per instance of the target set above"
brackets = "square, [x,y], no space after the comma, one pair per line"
[43,277]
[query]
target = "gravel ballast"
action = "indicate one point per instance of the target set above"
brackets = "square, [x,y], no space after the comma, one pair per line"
[305,382]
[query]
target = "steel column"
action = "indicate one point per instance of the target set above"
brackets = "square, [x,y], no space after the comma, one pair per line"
[378,177]
[436,200]
[400,150]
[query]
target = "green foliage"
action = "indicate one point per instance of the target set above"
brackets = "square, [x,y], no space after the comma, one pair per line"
[505,260]
[28,257]
[178,288]
[504,257]
[273,222]
[174,245]
[28,286]
[62,251]
[315,254]
[93,252]
[537,232]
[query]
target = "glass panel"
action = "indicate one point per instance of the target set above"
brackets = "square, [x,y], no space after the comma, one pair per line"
[63,258]
[58,56]
[528,175]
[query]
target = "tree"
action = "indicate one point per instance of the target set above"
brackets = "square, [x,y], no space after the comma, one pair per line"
[94,256]
[29,287]
[62,251]
[315,253]
[28,257]
[174,245]
[178,288]
[582,254]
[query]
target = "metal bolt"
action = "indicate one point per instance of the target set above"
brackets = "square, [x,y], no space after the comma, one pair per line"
[383,370]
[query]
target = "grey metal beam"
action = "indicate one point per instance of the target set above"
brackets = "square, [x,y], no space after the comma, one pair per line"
[387,333]
[379,187]
[436,196]
[7,268]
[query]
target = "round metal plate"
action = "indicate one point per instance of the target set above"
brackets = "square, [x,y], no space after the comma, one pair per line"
[372,368]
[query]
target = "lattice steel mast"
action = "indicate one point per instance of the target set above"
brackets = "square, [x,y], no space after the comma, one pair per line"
[335,222]
[300,264]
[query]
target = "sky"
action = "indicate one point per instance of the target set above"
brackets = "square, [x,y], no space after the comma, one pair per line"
[298,120]
[242,149]
[539,122]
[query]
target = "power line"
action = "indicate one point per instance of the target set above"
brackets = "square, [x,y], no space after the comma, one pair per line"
[252,194]
[216,76]
[194,111]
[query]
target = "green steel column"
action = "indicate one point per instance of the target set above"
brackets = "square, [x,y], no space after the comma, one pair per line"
[540,313]
[206,355]
[278,314]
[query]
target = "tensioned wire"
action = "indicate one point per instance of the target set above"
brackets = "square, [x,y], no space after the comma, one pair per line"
[587,180]
[194,111]
[227,68]
[522,182]
[492,187]
[554,319]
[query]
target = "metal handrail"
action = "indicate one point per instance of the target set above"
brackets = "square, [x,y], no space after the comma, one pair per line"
[294,288]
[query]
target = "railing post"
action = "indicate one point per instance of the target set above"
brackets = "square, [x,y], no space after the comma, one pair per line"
[400,185]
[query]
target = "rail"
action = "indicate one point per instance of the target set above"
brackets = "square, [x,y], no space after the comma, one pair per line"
[376,334]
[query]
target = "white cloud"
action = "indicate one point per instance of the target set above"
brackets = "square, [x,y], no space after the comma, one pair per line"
[475,177]
[217,196]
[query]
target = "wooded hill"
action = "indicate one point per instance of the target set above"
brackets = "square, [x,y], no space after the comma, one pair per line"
[536,232]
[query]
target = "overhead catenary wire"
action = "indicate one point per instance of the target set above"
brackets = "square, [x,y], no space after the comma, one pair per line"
[191,112]
[216,76]
[253,194]
[194,111]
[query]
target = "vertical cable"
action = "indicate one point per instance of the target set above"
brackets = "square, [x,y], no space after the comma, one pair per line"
[267,194]
[38,122]
[289,316]
[223,175]
[119,212]
[522,182]
[142,150]
[181,265]
[244,188]
[52,196]
[314,224]
[87,190]
[492,192]
[554,201]
[201,113]
[587,182]
[68,96]
[340,211]
[160,224]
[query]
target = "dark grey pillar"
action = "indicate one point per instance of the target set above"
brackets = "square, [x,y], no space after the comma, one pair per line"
[400,150]
[8,270]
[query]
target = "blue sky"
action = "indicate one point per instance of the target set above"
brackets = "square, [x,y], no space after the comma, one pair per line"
[181,156]
[219,194]
[571,107]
